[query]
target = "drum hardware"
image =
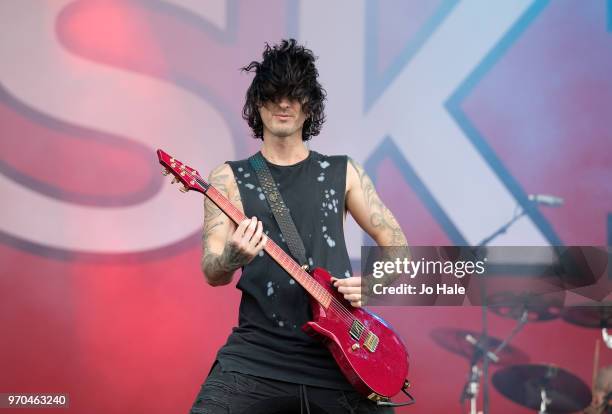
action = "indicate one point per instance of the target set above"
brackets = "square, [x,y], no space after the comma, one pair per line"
[591,316]
[546,388]
[469,345]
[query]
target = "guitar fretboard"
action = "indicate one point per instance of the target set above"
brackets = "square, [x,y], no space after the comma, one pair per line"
[279,255]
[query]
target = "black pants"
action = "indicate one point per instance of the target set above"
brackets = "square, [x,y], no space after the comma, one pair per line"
[237,393]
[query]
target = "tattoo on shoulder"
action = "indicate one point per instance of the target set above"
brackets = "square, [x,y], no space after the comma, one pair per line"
[219,178]
[213,216]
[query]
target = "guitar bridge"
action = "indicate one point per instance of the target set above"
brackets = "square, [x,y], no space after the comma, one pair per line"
[356,329]
[371,342]
[377,397]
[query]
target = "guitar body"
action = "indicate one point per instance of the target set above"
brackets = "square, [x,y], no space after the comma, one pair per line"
[382,371]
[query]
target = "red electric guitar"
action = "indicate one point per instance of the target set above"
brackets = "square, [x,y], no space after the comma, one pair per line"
[369,353]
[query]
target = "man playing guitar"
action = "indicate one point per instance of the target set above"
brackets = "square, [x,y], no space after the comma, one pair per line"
[269,365]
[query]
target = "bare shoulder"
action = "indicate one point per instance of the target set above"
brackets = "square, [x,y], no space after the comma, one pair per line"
[222,178]
[222,168]
[353,166]
[354,174]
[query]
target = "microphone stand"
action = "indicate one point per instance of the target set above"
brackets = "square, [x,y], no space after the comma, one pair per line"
[485,338]
[501,230]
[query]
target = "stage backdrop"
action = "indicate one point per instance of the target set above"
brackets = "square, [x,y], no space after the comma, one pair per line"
[457,109]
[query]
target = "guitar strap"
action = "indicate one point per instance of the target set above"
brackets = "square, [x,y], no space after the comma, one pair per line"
[279,208]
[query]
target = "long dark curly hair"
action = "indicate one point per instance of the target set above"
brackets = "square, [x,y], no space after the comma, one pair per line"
[287,70]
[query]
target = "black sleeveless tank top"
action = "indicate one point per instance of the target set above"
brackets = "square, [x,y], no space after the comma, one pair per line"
[268,341]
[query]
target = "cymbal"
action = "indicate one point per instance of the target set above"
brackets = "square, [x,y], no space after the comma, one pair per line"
[523,383]
[539,308]
[596,316]
[453,340]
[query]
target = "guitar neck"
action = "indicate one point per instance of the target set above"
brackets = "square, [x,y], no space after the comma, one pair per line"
[278,254]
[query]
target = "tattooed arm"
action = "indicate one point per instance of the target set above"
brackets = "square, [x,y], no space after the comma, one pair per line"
[370,213]
[368,210]
[227,247]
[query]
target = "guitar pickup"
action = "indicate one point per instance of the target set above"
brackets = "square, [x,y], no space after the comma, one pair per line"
[356,330]
[371,342]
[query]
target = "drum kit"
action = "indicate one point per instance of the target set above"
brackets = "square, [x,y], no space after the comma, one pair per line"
[544,388]
[547,388]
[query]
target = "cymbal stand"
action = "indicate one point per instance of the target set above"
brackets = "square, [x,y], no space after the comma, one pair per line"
[521,323]
[470,390]
[607,338]
[544,401]
[551,372]
[472,386]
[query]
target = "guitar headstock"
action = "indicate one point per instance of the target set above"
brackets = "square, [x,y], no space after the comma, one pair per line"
[189,177]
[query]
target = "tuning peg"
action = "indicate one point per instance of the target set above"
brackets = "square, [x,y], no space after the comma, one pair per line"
[165,171]
[183,189]
[174,180]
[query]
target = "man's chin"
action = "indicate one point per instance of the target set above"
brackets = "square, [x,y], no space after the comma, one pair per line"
[283,133]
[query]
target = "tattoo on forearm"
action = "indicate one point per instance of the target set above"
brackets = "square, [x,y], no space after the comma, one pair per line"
[224,263]
[380,216]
